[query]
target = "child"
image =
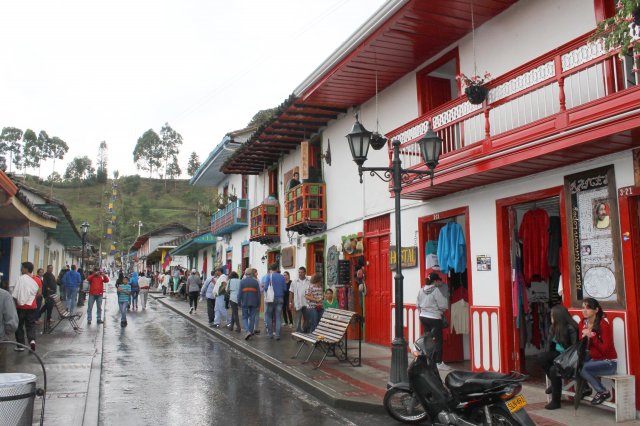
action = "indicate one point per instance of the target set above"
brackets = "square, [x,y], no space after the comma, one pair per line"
[124,291]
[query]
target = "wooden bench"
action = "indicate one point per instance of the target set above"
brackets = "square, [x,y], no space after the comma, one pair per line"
[328,334]
[623,393]
[63,314]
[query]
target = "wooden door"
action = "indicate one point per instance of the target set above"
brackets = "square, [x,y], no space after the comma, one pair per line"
[438,92]
[378,279]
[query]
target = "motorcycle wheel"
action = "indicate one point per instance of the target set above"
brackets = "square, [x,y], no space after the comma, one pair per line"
[500,416]
[404,407]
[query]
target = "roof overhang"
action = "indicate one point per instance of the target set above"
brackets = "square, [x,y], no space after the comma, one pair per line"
[397,39]
[65,231]
[209,174]
[194,245]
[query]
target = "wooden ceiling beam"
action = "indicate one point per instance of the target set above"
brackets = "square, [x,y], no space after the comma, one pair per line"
[311,123]
[322,107]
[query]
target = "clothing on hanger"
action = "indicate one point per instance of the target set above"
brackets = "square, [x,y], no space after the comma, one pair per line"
[460,317]
[452,248]
[535,240]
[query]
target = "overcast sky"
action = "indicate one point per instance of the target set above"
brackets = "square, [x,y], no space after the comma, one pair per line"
[88,71]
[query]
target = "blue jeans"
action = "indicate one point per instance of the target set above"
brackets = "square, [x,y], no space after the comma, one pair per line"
[270,309]
[123,310]
[71,296]
[133,298]
[592,370]
[98,300]
[314,319]
[249,317]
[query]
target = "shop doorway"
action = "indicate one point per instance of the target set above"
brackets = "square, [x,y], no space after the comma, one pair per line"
[5,256]
[531,230]
[315,258]
[456,277]
[377,232]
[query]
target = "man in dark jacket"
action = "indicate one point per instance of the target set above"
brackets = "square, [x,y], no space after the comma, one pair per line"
[49,288]
[63,271]
[249,300]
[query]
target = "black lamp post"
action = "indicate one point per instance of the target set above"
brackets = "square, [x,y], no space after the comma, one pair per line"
[430,148]
[84,228]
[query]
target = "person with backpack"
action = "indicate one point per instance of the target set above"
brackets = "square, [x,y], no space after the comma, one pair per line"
[135,290]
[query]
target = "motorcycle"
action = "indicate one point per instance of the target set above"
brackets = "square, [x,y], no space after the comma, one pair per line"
[464,398]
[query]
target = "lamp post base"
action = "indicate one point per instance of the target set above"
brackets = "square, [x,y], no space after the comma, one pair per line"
[399,362]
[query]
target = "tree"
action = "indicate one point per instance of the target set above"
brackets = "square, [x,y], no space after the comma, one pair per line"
[171,141]
[193,165]
[55,149]
[101,172]
[3,163]
[173,170]
[148,151]
[80,168]
[10,144]
[262,117]
[30,150]
[54,177]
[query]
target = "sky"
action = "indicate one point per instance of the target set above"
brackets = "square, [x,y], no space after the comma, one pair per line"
[88,70]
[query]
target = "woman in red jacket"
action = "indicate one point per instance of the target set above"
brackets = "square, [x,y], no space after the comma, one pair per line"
[601,358]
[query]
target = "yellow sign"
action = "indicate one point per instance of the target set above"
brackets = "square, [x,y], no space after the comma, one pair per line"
[408,257]
[304,160]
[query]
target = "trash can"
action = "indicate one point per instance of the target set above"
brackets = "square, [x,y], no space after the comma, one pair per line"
[17,393]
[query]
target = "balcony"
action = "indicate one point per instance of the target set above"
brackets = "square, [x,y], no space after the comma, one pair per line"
[234,216]
[306,208]
[265,223]
[569,105]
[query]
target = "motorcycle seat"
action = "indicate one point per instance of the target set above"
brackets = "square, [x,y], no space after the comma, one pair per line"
[466,382]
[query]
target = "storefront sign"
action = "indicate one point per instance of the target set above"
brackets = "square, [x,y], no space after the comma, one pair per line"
[483,263]
[594,243]
[304,160]
[408,257]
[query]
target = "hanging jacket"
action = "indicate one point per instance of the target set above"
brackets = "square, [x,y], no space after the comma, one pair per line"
[452,248]
[534,234]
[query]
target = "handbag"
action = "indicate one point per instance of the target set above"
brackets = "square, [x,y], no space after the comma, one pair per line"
[269,294]
[567,362]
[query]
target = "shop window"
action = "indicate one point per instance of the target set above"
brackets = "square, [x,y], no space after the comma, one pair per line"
[437,82]
[273,182]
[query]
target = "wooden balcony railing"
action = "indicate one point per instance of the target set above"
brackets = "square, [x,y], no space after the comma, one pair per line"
[265,223]
[234,216]
[568,77]
[306,208]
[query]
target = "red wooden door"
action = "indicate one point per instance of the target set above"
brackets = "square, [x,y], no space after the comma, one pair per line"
[438,91]
[378,278]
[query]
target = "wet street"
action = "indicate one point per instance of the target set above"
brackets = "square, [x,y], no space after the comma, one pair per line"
[161,369]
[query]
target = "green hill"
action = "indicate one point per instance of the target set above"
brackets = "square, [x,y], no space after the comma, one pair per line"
[137,199]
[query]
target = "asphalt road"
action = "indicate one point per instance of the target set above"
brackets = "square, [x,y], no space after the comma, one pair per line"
[162,370]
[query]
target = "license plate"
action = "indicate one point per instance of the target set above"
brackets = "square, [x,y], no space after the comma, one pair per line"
[516,403]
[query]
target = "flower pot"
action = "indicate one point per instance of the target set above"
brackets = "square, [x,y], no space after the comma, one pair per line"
[377,141]
[476,94]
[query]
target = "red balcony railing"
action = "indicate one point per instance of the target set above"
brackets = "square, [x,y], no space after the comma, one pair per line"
[306,208]
[265,223]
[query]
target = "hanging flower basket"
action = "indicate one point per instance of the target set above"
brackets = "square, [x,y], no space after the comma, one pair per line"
[378,141]
[622,30]
[476,94]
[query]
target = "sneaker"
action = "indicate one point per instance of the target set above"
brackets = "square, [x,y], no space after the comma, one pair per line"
[18,349]
[100,321]
[88,322]
[33,346]
[248,335]
[191,310]
[277,337]
[600,397]
[443,366]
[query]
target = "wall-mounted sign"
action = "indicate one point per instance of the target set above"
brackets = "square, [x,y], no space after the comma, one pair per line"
[594,237]
[332,266]
[304,160]
[483,263]
[408,257]
[288,257]
[344,272]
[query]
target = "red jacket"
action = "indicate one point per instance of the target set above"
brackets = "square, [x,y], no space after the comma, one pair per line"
[601,344]
[96,284]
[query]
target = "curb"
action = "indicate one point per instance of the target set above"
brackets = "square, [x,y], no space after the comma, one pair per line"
[92,402]
[318,390]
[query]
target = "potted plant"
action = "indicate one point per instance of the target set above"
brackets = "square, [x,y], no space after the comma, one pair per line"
[474,87]
[622,30]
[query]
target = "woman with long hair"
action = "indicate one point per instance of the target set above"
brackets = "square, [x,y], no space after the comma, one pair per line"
[563,333]
[601,358]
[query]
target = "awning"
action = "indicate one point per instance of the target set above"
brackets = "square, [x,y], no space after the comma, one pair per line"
[194,245]
[16,212]
[66,232]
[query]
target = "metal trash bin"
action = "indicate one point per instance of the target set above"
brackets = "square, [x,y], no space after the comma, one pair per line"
[17,394]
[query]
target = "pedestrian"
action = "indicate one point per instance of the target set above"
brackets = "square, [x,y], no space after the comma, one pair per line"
[249,301]
[49,288]
[8,315]
[234,288]
[39,299]
[287,315]
[275,280]
[563,333]
[313,296]
[193,288]
[124,292]
[297,301]
[206,293]
[433,304]
[60,283]
[135,291]
[71,282]
[144,284]
[176,278]
[25,292]
[166,282]
[601,358]
[220,292]
[329,301]
[97,280]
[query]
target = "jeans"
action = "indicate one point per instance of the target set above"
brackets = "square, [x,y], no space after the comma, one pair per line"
[593,369]
[298,317]
[435,327]
[211,309]
[133,298]
[221,311]
[71,294]
[272,309]
[123,310]
[235,320]
[144,294]
[193,299]
[26,322]
[249,318]
[98,300]
[313,317]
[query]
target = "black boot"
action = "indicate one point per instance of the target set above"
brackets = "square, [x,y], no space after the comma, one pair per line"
[556,394]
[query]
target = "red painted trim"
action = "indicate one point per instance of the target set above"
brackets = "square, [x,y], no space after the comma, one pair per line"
[421,74]
[7,184]
[508,345]
[603,9]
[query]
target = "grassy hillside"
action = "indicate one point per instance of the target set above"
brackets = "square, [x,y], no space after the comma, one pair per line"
[137,199]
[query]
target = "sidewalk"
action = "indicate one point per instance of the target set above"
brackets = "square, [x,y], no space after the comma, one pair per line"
[359,388]
[73,364]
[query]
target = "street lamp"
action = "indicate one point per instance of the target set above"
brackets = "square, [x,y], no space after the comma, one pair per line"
[430,148]
[84,228]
